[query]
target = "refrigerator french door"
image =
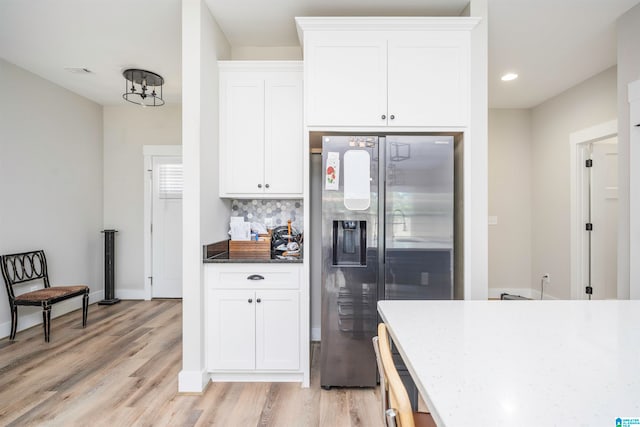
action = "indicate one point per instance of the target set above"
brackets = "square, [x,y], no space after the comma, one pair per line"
[387,233]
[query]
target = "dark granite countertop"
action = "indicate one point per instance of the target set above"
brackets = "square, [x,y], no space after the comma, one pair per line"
[224,258]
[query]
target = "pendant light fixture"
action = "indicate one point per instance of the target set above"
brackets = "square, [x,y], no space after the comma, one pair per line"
[140,87]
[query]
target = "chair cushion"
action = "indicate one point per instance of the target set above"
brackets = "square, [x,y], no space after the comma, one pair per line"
[423,419]
[53,292]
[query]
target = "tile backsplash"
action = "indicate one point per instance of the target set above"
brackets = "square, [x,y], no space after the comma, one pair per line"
[264,211]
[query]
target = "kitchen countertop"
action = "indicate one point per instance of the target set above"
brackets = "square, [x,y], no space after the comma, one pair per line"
[524,363]
[224,258]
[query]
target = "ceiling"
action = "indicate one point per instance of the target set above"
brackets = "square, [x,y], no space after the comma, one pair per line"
[551,44]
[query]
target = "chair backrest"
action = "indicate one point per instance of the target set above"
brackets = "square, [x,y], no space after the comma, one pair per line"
[391,416]
[398,397]
[23,267]
[384,389]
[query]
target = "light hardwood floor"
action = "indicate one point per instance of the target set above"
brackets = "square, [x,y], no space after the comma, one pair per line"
[122,370]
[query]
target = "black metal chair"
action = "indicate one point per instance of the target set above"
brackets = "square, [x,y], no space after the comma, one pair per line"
[32,266]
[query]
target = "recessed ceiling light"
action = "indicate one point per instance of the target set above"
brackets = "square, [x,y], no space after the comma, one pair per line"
[78,70]
[508,77]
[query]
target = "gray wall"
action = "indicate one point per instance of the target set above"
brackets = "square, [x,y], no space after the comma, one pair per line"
[628,71]
[126,129]
[587,104]
[510,201]
[529,186]
[51,176]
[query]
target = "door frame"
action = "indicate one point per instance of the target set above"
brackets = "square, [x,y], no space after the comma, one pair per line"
[148,152]
[577,141]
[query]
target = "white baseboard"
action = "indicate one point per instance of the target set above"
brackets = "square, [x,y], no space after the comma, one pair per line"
[192,381]
[523,292]
[130,294]
[315,334]
[35,317]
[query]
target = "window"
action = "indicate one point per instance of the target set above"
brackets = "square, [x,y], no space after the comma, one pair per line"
[170,182]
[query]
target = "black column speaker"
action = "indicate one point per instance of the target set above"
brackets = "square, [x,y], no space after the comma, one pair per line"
[109,268]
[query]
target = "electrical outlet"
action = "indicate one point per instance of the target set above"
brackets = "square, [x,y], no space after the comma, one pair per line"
[546,277]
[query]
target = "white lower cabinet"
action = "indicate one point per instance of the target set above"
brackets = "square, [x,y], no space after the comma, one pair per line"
[277,330]
[232,332]
[254,329]
[255,323]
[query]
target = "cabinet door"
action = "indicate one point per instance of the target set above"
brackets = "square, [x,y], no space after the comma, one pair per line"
[346,81]
[242,135]
[277,330]
[231,330]
[428,79]
[283,134]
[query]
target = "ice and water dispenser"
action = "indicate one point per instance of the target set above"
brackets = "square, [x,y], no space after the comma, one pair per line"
[349,243]
[349,246]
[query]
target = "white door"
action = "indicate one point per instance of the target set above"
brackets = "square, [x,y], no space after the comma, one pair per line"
[604,217]
[277,330]
[231,330]
[166,227]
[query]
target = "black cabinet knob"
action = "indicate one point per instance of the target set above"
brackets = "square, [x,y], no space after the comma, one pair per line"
[383,117]
[255,277]
[267,185]
[258,300]
[392,117]
[250,300]
[259,185]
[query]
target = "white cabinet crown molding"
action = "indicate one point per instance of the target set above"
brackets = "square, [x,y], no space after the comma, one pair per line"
[264,66]
[374,23]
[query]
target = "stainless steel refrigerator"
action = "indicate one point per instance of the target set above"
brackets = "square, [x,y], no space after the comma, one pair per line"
[387,233]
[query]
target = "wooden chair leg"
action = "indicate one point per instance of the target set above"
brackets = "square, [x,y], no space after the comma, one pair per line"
[14,322]
[85,309]
[46,318]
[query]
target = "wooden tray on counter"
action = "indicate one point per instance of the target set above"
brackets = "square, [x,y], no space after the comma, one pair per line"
[250,249]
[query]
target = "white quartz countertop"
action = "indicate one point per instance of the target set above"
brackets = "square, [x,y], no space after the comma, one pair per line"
[521,363]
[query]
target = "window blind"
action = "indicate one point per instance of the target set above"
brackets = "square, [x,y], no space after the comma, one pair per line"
[170,185]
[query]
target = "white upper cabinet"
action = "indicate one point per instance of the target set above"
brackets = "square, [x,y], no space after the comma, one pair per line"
[346,80]
[428,79]
[261,128]
[401,72]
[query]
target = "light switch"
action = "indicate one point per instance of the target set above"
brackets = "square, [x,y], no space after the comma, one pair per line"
[493,220]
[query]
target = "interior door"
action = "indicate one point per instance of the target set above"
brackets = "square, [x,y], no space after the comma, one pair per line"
[604,214]
[166,227]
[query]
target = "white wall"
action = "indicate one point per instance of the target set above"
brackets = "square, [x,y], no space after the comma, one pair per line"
[214,212]
[202,44]
[475,162]
[126,129]
[51,177]
[628,71]
[510,201]
[587,104]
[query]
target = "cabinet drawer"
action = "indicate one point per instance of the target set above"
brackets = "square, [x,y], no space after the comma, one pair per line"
[256,276]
